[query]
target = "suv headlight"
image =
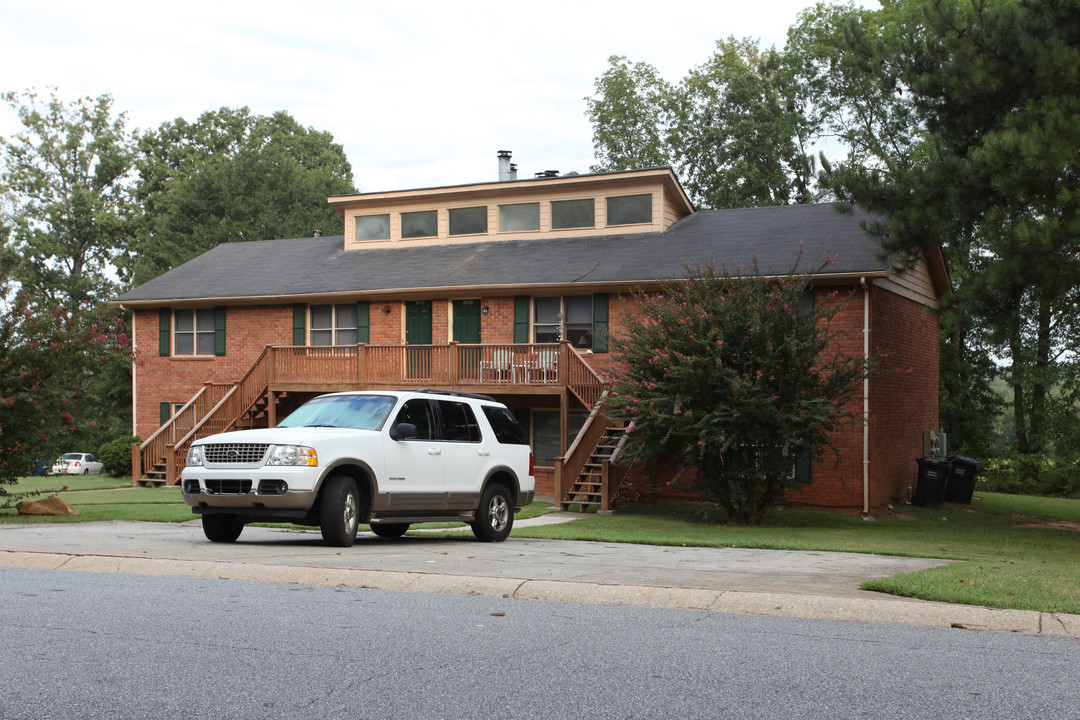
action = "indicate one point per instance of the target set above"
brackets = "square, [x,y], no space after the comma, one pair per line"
[292,455]
[195,456]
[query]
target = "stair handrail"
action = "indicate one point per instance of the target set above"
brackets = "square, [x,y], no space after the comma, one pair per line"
[584,382]
[588,421]
[154,446]
[247,396]
[619,445]
[579,452]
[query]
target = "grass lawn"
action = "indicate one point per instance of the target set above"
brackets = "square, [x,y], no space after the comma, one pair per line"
[1013,551]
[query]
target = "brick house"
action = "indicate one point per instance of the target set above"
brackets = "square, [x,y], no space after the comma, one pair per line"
[510,288]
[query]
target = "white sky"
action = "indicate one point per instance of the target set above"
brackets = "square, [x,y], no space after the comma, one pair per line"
[420,93]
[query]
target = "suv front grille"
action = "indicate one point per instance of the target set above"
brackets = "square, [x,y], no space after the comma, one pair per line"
[235,453]
[228,487]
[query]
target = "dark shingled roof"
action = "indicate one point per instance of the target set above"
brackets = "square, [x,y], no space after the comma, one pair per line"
[731,238]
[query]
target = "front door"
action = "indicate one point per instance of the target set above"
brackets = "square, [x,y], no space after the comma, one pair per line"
[467,332]
[418,332]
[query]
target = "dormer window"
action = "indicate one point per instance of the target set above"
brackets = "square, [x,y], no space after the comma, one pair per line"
[519,217]
[373,227]
[469,221]
[566,214]
[419,224]
[629,209]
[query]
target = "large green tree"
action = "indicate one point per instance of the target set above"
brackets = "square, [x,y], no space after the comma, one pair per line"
[731,127]
[65,176]
[629,114]
[231,176]
[995,87]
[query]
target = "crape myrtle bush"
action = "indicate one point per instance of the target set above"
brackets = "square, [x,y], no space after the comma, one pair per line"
[730,375]
[48,352]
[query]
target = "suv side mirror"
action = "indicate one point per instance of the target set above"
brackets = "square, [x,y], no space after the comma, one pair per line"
[403,431]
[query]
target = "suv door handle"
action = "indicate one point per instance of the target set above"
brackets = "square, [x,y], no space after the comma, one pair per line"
[483,452]
[434,451]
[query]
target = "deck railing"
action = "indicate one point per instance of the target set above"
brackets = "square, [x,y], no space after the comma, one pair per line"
[218,406]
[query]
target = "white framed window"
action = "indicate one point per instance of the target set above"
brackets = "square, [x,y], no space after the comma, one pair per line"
[193,331]
[566,214]
[468,220]
[333,324]
[568,317]
[372,227]
[519,217]
[419,224]
[629,209]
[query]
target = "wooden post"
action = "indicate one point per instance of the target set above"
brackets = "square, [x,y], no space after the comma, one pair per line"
[136,463]
[605,486]
[361,364]
[558,486]
[271,408]
[170,465]
[453,372]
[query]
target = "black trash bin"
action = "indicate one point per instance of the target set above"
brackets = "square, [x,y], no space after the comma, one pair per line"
[961,484]
[933,476]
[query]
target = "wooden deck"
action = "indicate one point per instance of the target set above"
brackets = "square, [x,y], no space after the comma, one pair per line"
[550,368]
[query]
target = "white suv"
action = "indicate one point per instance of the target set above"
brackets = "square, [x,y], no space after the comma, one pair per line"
[384,458]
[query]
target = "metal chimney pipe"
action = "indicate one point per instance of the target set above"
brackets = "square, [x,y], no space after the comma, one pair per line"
[507,169]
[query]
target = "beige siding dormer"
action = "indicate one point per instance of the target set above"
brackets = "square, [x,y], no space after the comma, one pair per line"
[668,203]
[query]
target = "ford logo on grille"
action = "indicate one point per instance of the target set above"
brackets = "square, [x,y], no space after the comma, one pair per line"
[232,454]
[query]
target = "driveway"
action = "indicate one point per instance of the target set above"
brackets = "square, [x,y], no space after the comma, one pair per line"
[774,582]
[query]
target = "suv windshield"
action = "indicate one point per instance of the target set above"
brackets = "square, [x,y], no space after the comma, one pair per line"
[362,412]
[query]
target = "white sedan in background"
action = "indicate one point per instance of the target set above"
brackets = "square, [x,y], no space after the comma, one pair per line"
[76,464]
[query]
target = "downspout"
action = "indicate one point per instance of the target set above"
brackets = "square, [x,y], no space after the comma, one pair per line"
[134,379]
[866,402]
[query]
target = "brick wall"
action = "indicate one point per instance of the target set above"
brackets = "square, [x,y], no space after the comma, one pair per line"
[903,400]
[176,379]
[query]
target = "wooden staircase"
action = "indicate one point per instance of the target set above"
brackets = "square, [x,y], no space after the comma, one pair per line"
[589,473]
[587,489]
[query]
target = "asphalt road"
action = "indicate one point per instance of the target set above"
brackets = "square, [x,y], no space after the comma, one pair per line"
[108,645]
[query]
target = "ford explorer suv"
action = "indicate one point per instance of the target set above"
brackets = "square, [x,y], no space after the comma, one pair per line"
[388,459]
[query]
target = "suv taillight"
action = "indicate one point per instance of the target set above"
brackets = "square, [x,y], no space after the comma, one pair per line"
[531,466]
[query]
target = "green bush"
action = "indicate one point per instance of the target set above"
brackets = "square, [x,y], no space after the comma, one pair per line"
[1031,475]
[116,455]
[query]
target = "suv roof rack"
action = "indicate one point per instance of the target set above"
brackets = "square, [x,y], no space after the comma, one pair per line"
[456,393]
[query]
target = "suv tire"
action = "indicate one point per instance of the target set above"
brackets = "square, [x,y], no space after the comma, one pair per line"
[221,528]
[389,530]
[495,516]
[339,512]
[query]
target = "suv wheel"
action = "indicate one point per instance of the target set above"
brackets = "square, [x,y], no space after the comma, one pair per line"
[495,516]
[389,530]
[221,528]
[339,513]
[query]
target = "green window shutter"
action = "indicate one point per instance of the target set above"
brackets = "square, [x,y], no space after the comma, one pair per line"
[219,331]
[363,323]
[521,319]
[600,323]
[166,412]
[299,324]
[164,331]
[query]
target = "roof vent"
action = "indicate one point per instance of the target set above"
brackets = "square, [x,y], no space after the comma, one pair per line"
[318,232]
[507,169]
[547,174]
